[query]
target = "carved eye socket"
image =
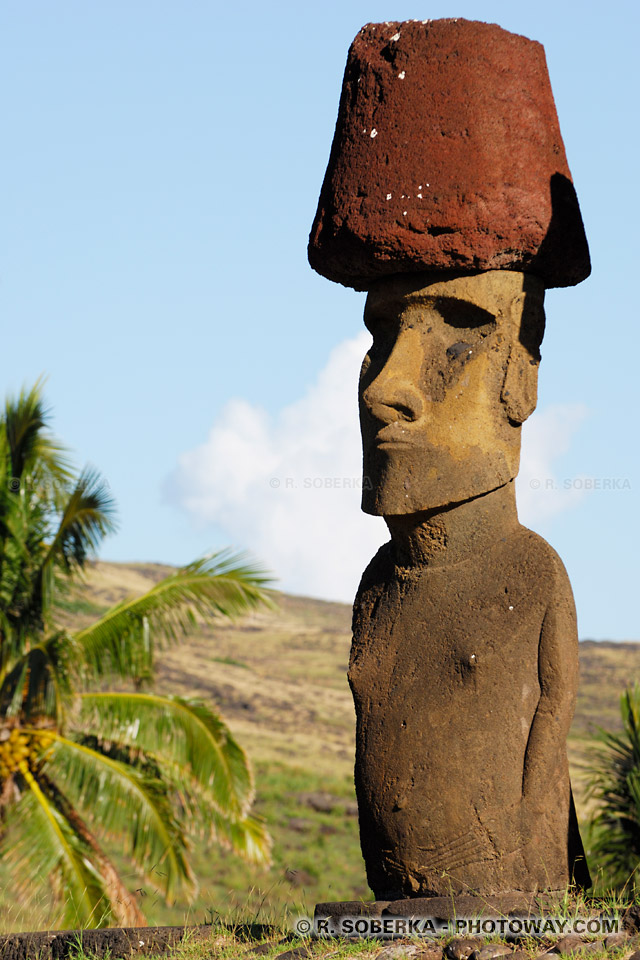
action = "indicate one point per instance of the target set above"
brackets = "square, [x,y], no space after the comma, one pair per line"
[466,318]
[464,315]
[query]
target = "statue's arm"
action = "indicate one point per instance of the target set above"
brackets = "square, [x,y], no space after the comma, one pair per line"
[545,757]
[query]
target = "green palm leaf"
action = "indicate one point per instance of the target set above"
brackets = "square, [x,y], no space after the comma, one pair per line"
[36,487]
[222,584]
[614,786]
[28,447]
[39,684]
[159,765]
[87,517]
[123,800]
[44,846]
[248,836]
[186,732]
[23,527]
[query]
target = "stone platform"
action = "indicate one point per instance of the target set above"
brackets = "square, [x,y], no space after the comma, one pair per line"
[443,909]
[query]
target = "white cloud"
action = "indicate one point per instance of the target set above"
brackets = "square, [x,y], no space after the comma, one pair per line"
[288,488]
[546,436]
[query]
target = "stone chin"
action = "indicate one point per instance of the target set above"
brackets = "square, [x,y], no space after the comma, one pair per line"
[449,379]
[402,479]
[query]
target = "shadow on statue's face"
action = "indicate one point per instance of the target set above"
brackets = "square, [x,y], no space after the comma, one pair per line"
[449,379]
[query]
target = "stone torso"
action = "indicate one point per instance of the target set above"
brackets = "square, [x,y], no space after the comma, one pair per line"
[445,676]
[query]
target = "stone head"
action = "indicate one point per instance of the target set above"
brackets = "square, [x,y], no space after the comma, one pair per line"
[448,197]
[450,378]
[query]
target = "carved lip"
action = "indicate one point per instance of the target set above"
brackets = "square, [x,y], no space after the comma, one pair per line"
[392,435]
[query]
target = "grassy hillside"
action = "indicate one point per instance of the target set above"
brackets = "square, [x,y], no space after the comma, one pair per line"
[279,678]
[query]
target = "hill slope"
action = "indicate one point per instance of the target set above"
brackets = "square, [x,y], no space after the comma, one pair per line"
[279,679]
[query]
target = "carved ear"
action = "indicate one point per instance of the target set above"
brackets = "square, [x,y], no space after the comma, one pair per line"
[520,387]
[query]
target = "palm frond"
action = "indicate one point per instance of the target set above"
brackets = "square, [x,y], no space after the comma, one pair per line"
[121,799]
[40,681]
[88,516]
[30,448]
[45,847]
[187,732]
[159,764]
[247,836]
[614,787]
[224,583]
[23,527]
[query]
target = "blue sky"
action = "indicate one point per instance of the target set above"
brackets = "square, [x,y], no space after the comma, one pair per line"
[161,166]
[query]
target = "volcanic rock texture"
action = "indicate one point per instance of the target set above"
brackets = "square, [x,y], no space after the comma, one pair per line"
[447,155]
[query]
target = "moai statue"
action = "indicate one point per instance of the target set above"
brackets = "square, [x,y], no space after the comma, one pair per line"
[448,198]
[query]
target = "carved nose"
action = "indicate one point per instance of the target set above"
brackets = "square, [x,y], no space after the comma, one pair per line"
[390,399]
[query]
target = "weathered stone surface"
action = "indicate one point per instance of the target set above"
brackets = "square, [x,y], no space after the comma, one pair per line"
[350,908]
[111,942]
[431,951]
[464,661]
[492,950]
[570,944]
[297,953]
[395,951]
[442,909]
[448,197]
[441,424]
[456,648]
[447,155]
[461,949]
[631,919]
[615,940]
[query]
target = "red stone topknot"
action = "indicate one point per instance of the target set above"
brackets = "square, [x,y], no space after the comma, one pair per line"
[447,155]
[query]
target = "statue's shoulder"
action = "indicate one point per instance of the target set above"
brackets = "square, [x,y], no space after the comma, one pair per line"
[529,552]
[378,573]
[379,568]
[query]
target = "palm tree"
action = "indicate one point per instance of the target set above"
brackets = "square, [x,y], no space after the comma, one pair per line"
[614,785]
[81,763]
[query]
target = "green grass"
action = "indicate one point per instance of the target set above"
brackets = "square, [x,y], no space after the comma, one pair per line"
[230,939]
[316,856]
[238,931]
[231,662]
[279,679]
